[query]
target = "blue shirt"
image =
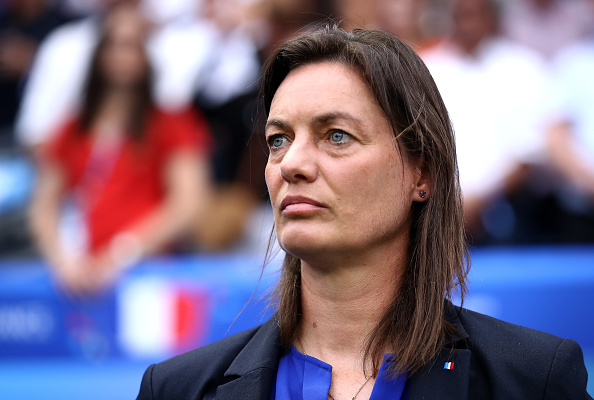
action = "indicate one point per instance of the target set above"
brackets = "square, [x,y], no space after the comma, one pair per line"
[302,377]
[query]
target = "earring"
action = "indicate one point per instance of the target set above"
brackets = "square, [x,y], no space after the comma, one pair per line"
[423,194]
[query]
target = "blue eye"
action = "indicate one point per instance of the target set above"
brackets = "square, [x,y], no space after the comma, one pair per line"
[277,141]
[339,136]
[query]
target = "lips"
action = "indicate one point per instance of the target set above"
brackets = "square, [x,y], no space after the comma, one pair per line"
[299,201]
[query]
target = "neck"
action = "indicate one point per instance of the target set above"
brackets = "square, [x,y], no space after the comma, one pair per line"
[114,112]
[343,304]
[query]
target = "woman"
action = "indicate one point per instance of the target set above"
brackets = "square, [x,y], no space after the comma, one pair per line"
[363,183]
[138,174]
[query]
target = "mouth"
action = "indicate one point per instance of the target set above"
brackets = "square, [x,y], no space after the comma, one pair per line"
[300,204]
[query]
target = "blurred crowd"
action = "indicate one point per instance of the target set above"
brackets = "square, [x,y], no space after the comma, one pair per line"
[130,127]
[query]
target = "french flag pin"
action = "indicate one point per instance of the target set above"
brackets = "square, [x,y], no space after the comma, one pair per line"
[448,365]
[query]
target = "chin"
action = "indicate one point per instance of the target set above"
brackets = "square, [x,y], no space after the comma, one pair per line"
[301,243]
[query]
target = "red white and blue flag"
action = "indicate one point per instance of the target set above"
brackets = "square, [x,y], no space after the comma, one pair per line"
[161,318]
[448,365]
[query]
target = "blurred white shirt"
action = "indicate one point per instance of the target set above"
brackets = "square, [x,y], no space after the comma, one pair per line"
[499,102]
[187,56]
[546,29]
[574,72]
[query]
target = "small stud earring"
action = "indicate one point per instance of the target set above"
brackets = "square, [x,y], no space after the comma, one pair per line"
[423,194]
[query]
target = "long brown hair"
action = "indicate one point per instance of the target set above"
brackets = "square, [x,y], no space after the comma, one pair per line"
[414,325]
[96,87]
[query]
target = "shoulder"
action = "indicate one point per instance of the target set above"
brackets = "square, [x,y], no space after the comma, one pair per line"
[214,356]
[199,372]
[509,343]
[76,36]
[179,128]
[523,360]
[67,135]
[163,121]
[483,326]
[174,115]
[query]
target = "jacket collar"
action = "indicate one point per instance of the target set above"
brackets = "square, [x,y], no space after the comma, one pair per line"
[452,315]
[252,374]
[439,380]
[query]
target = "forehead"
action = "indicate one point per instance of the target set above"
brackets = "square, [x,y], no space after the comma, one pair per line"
[324,88]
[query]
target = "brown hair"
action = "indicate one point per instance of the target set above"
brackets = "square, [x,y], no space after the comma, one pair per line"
[95,90]
[414,325]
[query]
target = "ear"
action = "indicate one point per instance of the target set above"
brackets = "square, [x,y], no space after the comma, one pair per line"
[422,184]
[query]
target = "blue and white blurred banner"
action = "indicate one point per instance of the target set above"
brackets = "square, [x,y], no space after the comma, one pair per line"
[57,347]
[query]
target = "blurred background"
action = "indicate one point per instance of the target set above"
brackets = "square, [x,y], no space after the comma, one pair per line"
[134,219]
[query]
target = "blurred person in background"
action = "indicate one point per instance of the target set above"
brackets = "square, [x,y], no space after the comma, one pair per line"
[546,26]
[225,95]
[137,174]
[285,18]
[54,90]
[409,20]
[233,65]
[354,14]
[498,97]
[571,142]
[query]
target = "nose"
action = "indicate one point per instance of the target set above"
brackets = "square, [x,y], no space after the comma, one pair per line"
[299,162]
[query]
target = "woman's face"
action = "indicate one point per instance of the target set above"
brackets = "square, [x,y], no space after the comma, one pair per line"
[123,58]
[337,182]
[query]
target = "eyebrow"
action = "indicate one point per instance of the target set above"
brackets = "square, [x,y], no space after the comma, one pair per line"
[279,123]
[318,120]
[329,117]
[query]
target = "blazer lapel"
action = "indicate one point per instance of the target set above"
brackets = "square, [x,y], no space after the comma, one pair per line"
[440,380]
[437,382]
[254,385]
[252,373]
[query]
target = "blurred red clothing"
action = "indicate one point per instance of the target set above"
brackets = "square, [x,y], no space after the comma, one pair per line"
[117,185]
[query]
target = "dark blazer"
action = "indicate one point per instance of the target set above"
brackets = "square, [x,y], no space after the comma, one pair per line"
[492,360]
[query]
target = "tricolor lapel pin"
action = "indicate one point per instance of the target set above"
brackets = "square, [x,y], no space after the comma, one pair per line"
[448,365]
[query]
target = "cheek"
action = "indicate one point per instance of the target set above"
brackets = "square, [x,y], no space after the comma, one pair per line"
[380,193]
[272,177]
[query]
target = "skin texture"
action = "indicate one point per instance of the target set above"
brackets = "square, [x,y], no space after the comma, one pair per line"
[335,161]
[342,155]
